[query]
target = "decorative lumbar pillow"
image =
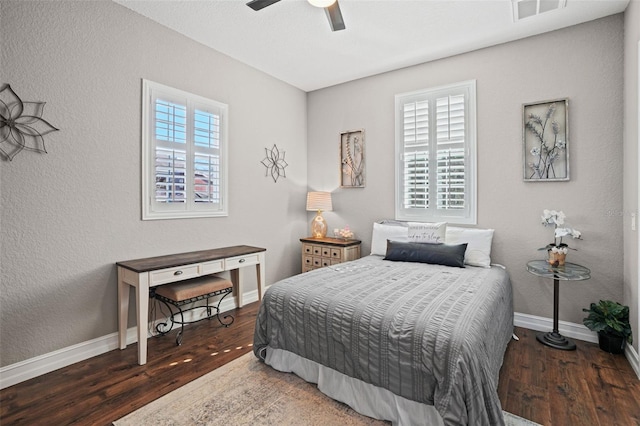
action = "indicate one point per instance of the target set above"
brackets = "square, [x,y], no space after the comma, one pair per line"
[479,244]
[382,233]
[430,233]
[438,254]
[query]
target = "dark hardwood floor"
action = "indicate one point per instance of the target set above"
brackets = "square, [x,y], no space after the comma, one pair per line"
[551,387]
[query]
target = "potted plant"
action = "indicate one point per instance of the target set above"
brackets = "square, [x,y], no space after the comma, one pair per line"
[557,250]
[611,321]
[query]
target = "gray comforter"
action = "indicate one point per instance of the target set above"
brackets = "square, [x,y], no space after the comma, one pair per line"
[429,333]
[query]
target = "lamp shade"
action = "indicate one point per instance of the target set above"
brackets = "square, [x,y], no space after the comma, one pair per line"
[321,3]
[319,201]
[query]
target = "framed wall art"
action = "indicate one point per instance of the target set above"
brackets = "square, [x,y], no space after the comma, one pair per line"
[352,159]
[545,135]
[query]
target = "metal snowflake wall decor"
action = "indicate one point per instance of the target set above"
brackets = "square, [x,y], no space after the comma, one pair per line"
[21,124]
[274,163]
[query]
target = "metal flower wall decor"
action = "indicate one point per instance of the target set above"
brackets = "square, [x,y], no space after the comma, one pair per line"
[274,163]
[21,124]
[546,141]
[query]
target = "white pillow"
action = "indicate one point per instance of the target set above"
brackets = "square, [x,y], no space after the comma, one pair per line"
[478,244]
[430,233]
[382,233]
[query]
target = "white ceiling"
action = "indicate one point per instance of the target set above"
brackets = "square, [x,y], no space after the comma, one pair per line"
[292,41]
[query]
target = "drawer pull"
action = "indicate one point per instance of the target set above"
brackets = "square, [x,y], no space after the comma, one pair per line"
[177,273]
[241,260]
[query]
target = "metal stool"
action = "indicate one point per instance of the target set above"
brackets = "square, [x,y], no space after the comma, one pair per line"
[184,292]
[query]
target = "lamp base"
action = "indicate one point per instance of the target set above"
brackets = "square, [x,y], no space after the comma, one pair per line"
[318,226]
[556,340]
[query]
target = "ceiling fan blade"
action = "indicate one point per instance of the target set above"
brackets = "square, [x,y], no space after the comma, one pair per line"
[335,17]
[261,4]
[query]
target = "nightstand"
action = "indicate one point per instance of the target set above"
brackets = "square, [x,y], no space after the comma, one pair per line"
[321,252]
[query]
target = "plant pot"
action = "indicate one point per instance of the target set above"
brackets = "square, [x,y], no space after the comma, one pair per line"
[610,343]
[556,257]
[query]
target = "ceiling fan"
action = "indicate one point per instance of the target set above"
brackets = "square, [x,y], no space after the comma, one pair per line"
[331,7]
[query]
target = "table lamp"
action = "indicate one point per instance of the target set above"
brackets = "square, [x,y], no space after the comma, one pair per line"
[319,201]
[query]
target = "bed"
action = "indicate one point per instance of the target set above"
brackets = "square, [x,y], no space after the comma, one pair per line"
[405,341]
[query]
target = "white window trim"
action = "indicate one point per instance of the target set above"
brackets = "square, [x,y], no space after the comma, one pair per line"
[150,210]
[431,215]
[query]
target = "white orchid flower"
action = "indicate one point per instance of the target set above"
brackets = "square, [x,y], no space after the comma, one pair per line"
[558,217]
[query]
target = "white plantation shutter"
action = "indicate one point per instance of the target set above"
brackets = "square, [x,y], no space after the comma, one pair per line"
[170,133]
[450,117]
[206,162]
[435,147]
[184,154]
[170,172]
[206,179]
[416,150]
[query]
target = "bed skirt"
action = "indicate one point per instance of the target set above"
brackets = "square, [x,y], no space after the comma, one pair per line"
[365,398]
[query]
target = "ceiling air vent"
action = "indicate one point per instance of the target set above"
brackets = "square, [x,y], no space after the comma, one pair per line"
[526,8]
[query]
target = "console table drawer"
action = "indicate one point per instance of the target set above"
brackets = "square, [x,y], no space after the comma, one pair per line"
[237,262]
[212,267]
[163,276]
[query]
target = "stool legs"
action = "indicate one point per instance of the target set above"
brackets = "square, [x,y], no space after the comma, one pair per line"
[163,328]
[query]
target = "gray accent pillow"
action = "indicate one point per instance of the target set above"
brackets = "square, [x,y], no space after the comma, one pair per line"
[438,254]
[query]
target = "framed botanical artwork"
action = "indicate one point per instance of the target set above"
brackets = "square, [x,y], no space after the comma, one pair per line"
[545,136]
[352,159]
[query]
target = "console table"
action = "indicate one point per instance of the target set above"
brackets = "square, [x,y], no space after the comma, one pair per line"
[566,272]
[143,274]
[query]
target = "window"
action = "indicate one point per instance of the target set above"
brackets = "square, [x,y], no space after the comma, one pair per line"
[184,148]
[436,154]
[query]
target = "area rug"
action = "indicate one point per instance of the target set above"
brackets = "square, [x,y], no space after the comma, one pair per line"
[248,392]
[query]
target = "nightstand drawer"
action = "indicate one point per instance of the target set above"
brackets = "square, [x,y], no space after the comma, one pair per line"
[336,254]
[308,260]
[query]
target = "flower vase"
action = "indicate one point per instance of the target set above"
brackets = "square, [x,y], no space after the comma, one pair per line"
[556,257]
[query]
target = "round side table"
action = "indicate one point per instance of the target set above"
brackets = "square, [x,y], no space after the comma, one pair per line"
[566,272]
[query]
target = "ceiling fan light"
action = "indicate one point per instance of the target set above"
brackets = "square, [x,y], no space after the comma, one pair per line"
[321,3]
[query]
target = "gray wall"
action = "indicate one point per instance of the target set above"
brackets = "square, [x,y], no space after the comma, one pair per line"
[582,63]
[68,215]
[630,164]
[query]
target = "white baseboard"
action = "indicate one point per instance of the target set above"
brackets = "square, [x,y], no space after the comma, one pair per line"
[568,329]
[37,366]
[633,358]
[34,367]
[572,330]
